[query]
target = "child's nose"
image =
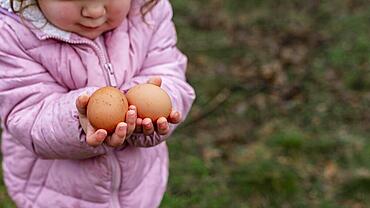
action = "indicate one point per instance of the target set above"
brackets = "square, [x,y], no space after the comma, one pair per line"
[93,11]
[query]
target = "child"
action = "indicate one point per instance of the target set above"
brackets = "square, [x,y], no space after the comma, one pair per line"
[53,55]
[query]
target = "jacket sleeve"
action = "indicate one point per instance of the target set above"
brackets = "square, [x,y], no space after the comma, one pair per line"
[35,109]
[165,60]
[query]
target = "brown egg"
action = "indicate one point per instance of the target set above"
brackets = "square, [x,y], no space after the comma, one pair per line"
[150,100]
[106,108]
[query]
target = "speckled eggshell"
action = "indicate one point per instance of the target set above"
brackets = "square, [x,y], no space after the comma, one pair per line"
[150,100]
[106,108]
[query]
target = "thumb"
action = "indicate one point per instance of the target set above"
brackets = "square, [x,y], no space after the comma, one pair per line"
[81,103]
[155,80]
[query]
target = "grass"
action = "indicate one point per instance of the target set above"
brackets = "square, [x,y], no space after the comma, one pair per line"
[282,110]
[293,132]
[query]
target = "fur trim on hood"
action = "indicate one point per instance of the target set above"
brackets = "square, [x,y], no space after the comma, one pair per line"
[34,15]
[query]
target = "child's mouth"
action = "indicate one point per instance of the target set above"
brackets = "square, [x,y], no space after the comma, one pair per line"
[90,27]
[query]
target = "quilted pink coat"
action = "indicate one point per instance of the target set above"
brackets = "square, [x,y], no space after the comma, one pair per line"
[46,161]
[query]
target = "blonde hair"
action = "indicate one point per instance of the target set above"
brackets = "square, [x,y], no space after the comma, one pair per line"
[148,5]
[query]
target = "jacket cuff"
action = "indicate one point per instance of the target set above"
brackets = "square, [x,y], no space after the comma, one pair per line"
[141,140]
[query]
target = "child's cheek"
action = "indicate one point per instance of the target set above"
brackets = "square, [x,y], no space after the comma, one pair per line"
[60,14]
[118,10]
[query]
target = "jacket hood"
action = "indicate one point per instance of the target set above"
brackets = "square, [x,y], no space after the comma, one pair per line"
[35,17]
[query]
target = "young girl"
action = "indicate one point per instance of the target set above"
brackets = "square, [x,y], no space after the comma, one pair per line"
[53,55]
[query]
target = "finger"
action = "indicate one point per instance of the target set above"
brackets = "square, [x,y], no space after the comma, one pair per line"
[139,125]
[155,80]
[119,135]
[162,126]
[175,117]
[131,121]
[132,107]
[81,103]
[84,122]
[148,127]
[96,138]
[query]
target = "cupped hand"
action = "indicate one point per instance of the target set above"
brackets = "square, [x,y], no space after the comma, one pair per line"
[161,126]
[95,137]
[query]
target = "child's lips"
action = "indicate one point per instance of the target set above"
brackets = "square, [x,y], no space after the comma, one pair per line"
[90,26]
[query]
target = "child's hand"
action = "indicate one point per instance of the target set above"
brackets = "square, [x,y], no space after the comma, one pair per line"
[146,125]
[96,137]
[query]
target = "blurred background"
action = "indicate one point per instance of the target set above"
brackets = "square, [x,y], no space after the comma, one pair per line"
[282,115]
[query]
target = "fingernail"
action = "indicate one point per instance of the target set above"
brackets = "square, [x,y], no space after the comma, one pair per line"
[84,95]
[122,127]
[131,112]
[101,134]
[162,125]
[132,107]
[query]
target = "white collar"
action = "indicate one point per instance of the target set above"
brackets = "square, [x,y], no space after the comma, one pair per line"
[36,17]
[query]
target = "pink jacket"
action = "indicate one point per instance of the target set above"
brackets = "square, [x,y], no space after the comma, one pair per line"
[46,161]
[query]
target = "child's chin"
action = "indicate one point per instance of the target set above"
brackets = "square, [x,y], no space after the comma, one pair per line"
[91,35]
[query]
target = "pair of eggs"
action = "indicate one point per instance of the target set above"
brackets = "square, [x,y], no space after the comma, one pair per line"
[108,105]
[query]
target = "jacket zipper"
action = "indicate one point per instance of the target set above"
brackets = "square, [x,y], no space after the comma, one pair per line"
[105,64]
[112,79]
[116,169]
[116,179]
[114,163]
